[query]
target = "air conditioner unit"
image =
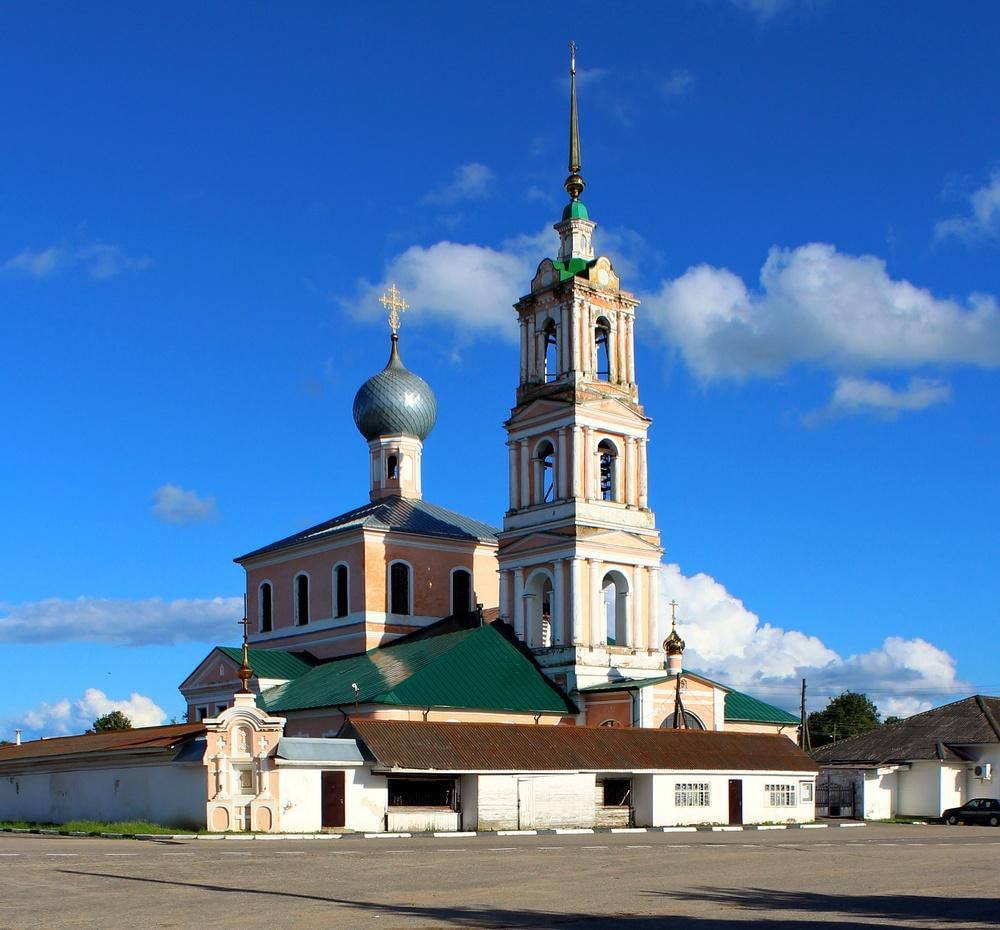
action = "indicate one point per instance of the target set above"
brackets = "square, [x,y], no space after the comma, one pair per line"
[984,771]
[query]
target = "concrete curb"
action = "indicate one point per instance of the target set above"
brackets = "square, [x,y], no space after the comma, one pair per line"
[560,831]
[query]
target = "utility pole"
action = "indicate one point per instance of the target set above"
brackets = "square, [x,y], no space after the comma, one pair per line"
[804,742]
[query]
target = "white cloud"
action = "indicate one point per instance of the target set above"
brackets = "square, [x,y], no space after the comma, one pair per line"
[65,716]
[678,84]
[121,622]
[819,306]
[100,260]
[984,221]
[859,396]
[728,642]
[471,181]
[173,504]
[765,10]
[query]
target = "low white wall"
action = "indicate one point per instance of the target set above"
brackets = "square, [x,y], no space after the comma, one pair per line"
[920,790]
[301,793]
[526,801]
[418,820]
[756,808]
[879,794]
[162,792]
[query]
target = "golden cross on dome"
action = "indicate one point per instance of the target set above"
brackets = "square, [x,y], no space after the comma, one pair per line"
[394,303]
[673,612]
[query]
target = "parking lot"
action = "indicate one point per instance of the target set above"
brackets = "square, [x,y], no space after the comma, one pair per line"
[878,875]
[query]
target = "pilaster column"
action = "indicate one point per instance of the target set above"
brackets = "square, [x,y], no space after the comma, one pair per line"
[505,596]
[517,608]
[523,479]
[512,474]
[643,480]
[588,464]
[652,612]
[565,340]
[630,471]
[559,619]
[630,349]
[575,471]
[532,631]
[562,483]
[638,632]
[524,350]
[598,619]
[532,336]
[619,373]
[575,601]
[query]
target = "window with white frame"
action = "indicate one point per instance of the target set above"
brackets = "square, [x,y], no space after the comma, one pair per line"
[692,794]
[805,791]
[779,795]
[301,604]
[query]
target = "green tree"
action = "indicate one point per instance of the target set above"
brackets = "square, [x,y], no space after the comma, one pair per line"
[113,720]
[846,715]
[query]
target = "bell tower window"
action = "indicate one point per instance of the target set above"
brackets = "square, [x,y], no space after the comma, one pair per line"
[392,467]
[461,591]
[608,457]
[301,599]
[265,608]
[551,350]
[340,599]
[544,472]
[602,342]
[399,588]
[614,590]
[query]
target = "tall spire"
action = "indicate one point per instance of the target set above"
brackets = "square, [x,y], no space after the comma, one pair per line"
[574,183]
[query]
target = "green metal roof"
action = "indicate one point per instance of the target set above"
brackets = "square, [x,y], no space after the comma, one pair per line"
[743,708]
[575,210]
[270,663]
[571,268]
[476,668]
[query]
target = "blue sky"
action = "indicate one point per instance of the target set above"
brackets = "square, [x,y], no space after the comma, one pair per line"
[199,204]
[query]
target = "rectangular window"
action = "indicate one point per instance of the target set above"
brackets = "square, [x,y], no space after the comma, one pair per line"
[779,795]
[422,792]
[202,713]
[399,588]
[617,792]
[805,791]
[219,708]
[692,794]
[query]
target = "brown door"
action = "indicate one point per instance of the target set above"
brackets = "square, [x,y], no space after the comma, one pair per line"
[735,801]
[333,799]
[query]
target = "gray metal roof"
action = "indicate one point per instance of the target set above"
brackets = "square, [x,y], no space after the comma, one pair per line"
[398,514]
[308,749]
[938,734]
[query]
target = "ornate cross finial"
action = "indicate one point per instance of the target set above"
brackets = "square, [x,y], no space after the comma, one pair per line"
[673,613]
[394,303]
[245,673]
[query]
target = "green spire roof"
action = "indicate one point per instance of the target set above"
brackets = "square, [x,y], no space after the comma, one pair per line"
[575,210]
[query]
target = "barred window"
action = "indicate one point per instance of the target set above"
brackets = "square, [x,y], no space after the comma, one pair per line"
[779,795]
[692,794]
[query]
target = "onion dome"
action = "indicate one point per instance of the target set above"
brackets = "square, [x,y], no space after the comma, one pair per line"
[394,402]
[673,645]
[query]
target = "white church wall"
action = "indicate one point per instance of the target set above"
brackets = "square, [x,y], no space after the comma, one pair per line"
[164,793]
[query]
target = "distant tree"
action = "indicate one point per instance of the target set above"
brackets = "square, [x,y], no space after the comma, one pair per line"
[113,720]
[846,715]
[889,721]
[6,742]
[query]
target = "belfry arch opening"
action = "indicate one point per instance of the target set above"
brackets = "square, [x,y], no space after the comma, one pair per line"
[539,605]
[615,595]
[607,457]
[545,456]
[602,350]
[550,350]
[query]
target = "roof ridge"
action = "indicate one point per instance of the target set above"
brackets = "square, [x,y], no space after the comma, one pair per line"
[988,714]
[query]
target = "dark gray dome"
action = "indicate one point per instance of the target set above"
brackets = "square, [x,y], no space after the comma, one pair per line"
[395,401]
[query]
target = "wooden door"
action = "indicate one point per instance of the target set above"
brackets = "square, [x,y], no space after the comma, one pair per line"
[735,801]
[333,799]
[525,803]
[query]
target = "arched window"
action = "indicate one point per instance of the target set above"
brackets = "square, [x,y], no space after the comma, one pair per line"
[301,599]
[392,467]
[551,349]
[461,591]
[399,588]
[691,722]
[265,608]
[607,455]
[602,343]
[614,588]
[539,611]
[544,472]
[340,592]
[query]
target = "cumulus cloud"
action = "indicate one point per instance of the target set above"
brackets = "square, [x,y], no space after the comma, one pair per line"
[677,84]
[470,181]
[120,622]
[817,305]
[861,396]
[100,260]
[173,504]
[65,716]
[729,642]
[983,222]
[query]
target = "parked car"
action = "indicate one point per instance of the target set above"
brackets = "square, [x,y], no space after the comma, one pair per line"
[978,810]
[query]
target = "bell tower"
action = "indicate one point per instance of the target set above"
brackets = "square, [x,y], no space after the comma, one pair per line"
[579,554]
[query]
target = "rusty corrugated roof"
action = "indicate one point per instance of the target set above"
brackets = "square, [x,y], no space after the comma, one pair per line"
[445,747]
[137,738]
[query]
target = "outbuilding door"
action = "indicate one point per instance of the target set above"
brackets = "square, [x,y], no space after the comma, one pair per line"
[525,803]
[735,801]
[333,797]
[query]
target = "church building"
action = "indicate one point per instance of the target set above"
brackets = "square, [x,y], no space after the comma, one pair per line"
[404,609]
